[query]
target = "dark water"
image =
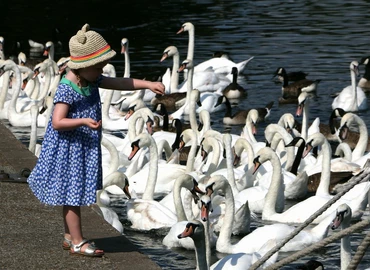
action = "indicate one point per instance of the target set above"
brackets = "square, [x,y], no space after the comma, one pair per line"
[318,37]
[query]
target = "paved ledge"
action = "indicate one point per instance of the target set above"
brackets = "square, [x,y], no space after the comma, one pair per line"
[31,233]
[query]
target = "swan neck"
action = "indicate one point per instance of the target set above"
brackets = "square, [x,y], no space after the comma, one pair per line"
[323,187]
[153,171]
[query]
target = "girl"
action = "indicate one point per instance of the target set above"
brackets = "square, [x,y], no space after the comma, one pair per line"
[69,168]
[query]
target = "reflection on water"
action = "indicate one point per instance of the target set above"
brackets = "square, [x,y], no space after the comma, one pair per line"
[317,37]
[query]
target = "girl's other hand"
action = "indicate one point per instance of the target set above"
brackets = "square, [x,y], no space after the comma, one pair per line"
[91,123]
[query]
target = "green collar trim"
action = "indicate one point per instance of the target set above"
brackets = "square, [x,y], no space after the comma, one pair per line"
[85,91]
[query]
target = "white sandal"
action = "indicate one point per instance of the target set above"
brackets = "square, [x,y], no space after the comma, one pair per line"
[89,251]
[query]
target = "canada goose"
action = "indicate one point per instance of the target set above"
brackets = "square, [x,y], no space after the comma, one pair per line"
[290,92]
[239,117]
[234,90]
[292,76]
[364,82]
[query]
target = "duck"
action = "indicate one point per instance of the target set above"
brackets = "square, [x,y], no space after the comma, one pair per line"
[290,92]
[292,76]
[234,90]
[219,64]
[352,98]
[240,116]
[364,82]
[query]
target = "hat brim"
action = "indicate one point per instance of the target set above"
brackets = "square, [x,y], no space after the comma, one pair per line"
[91,62]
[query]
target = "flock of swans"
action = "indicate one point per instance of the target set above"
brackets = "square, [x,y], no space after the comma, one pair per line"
[225,181]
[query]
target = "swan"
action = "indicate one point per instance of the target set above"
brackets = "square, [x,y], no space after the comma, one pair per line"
[184,109]
[172,51]
[250,129]
[195,230]
[352,98]
[168,172]
[147,214]
[358,153]
[343,219]
[356,198]
[117,179]
[255,240]
[34,147]
[20,119]
[219,64]
[171,240]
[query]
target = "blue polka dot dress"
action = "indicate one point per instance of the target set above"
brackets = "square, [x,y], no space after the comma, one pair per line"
[69,170]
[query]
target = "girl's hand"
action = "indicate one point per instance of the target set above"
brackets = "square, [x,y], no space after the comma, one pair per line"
[91,123]
[157,87]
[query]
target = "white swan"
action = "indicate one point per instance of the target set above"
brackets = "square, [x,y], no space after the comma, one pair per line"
[195,230]
[149,173]
[172,51]
[117,179]
[343,219]
[145,213]
[20,119]
[219,64]
[255,240]
[358,153]
[356,198]
[352,98]
[34,147]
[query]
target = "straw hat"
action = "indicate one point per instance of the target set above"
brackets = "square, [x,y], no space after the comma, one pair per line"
[88,48]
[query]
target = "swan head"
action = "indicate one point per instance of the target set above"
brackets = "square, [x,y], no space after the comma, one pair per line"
[287,121]
[347,120]
[343,214]
[141,141]
[263,155]
[135,105]
[124,45]
[302,98]
[62,64]
[48,46]
[168,52]
[194,229]
[22,59]
[205,207]
[313,141]
[186,64]
[354,67]
[188,26]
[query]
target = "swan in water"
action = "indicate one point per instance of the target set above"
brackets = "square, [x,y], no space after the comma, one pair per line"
[149,173]
[352,98]
[280,231]
[356,198]
[146,213]
[20,119]
[358,153]
[195,230]
[117,179]
[219,64]
[343,220]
